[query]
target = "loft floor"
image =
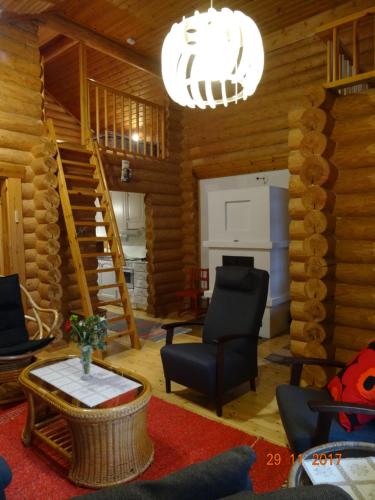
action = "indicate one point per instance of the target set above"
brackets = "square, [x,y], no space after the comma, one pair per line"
[253,413]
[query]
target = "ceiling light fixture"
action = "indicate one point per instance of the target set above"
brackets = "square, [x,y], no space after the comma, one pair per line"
[212,58]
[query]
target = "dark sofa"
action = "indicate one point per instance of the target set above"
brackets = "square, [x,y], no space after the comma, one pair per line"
[5,477]
[223,476]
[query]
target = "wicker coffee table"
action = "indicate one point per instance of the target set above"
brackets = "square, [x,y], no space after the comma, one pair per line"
[105,445]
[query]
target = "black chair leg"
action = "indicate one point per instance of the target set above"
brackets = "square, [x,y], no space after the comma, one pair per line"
[252,384]
[219,407]
[167,385]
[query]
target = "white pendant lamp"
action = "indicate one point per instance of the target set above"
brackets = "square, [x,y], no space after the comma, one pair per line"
[212,58]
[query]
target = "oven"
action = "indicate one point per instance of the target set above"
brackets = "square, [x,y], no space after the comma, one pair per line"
[129,277]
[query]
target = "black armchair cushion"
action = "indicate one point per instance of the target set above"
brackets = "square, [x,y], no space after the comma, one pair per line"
[236,310]
[12,321]
[24,347]
[300,422]
[223,475]
[239,278]
[194,365]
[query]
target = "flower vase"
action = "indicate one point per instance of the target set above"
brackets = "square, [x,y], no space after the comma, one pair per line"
[86,353]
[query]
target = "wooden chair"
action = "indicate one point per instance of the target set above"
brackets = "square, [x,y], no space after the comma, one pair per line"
[17,347]
[197,284]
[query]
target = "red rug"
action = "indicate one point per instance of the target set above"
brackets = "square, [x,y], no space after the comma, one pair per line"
[180,438]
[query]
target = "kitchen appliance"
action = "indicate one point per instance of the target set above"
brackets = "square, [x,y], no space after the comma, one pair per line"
[129,277]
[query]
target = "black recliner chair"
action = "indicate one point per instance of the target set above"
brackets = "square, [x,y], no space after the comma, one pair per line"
[227,356]
[17,348]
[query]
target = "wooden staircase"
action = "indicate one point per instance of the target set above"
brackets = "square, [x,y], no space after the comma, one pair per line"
[86,205]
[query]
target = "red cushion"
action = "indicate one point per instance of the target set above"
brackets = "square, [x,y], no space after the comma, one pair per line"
[356,384]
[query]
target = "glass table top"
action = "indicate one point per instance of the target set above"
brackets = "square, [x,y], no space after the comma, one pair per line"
[107,386]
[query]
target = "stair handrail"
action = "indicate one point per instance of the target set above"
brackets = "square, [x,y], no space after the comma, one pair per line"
[343,66]
[156,130]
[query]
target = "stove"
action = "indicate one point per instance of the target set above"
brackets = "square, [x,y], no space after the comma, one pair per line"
[129,277]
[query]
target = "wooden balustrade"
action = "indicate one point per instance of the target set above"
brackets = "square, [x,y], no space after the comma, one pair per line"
[347,69]
[122,122]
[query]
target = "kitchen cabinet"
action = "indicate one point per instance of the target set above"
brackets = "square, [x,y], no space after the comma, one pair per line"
[135,211]
[129,210]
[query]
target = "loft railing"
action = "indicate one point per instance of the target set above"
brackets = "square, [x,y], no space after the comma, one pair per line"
[350,51]
[118,121]
[122,122]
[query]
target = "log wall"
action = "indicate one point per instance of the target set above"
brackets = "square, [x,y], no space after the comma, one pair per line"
[311,231]
[354,158]
[332,230]
[23,142]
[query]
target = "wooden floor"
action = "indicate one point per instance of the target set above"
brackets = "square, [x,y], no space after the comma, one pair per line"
[254,413]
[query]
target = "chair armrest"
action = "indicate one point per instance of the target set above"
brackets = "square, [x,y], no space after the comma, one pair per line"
[290,360]
[297,364]
[36,310]
[339,406]
[169,327]
[326,411]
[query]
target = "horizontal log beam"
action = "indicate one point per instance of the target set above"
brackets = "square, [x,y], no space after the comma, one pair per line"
[99,42]
[56,47]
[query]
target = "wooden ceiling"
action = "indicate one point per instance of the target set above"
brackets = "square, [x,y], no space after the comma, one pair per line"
[27,6]
[149,21]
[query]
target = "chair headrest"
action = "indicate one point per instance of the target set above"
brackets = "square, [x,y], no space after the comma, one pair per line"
[236,277]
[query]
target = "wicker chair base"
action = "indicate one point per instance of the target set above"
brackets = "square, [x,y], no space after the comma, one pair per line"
[103,446]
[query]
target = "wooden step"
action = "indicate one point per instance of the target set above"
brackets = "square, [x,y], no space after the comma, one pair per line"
[96,288]
[115,335]
[84,192]
[100,305]
[90,223]
[70,146]
[86,208]
[104,303]
[102,270]
[76,163]
[82,178]
[114,319]
[88,255]
[94,238]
